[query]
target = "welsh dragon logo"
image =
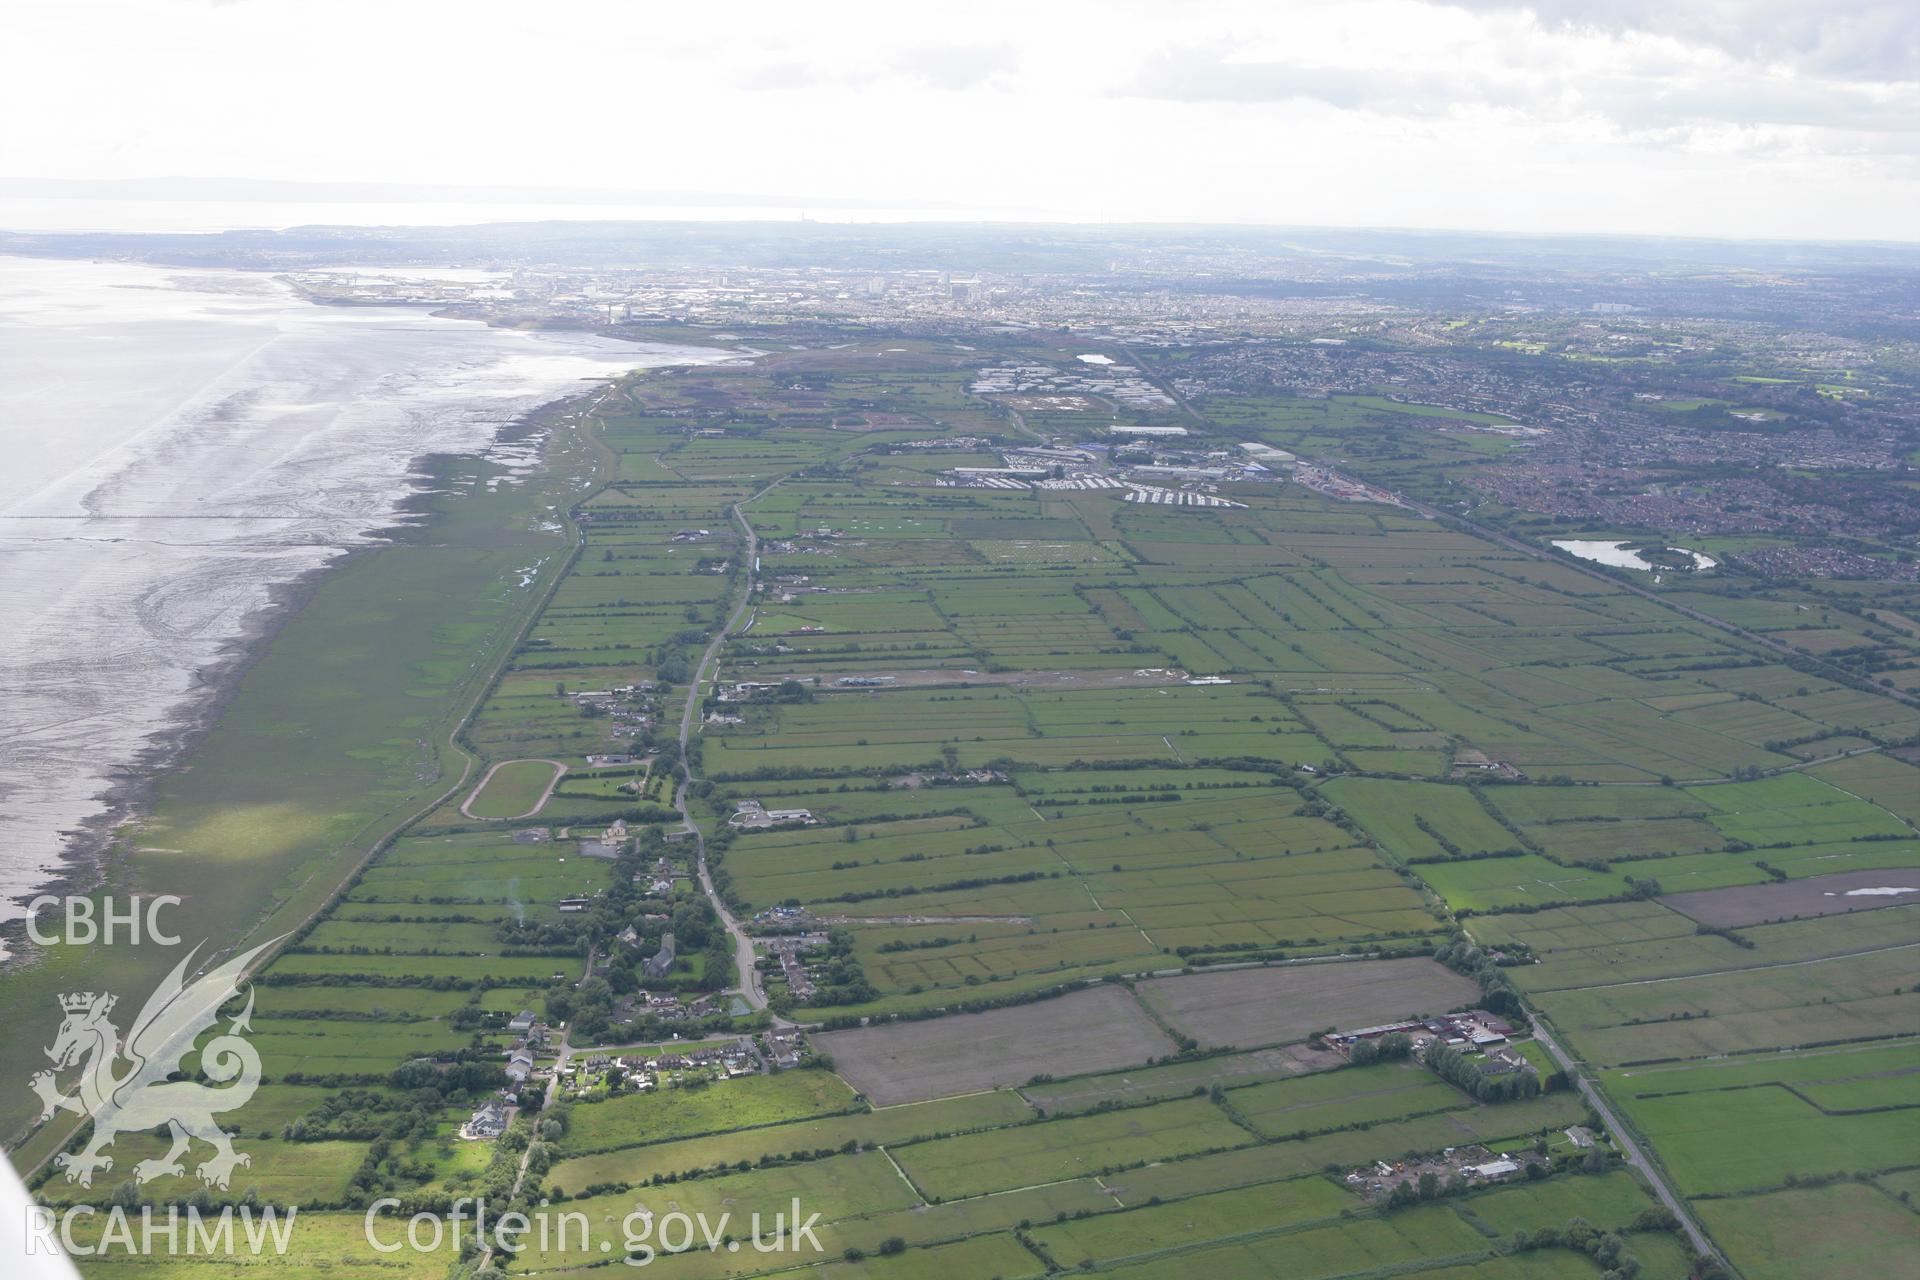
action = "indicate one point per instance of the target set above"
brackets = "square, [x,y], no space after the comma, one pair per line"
[139,1097]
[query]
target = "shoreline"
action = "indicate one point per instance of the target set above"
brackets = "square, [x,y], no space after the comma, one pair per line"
[91,842]
[23,1134]
[87,857]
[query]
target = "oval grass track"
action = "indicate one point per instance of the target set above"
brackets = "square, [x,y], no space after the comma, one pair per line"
[514,789]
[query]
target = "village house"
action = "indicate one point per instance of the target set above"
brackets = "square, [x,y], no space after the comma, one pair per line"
[519,1065]
[784,1046]
[612,842]
[489,1120]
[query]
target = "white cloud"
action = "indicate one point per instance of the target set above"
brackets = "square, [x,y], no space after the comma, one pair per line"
[1855,39]
[1692,118]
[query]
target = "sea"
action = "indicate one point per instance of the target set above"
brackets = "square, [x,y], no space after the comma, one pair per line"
[174,446]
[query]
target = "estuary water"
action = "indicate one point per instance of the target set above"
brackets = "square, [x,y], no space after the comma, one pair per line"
[174,445]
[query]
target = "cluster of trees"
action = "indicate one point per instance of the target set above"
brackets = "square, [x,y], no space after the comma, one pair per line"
[423,1094]
[1465,1074]
[386,1168]
[1604,1247]
[888,1247]
[839,977]
[588,1008]
[1393,1047]
[1497,993]
[787,691]
[950,886]
[1429,1187]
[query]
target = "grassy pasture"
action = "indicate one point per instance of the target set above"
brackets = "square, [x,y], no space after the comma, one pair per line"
[1356,1095]
[886,1126]
[1003,1159]
[1405,817]
[1491,884]
[1362,1247]
[1844,1230]
[1156,1228]
[1173,1080]
[1610,1201]
[513,790]
[667,1114]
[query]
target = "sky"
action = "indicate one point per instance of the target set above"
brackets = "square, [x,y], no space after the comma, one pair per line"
[1795,119]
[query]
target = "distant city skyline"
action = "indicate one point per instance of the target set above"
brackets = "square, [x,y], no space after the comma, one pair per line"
[1743,120]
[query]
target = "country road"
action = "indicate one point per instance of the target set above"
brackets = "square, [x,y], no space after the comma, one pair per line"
[549,1096]
[743,960]
[1628,1147]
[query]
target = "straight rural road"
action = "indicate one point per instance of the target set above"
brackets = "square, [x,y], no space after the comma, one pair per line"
[1628,1147]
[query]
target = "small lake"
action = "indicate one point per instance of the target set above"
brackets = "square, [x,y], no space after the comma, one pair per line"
[1623,555]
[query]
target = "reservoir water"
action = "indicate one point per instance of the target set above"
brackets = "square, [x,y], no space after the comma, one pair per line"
[1622,555]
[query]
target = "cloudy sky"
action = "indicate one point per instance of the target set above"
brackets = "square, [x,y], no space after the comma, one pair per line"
[1788,118]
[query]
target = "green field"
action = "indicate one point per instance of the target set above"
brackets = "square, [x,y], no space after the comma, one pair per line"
[512,790]
[679,1113]
[1157,795]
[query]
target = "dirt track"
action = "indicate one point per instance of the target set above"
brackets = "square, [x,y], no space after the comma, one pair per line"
[559,772]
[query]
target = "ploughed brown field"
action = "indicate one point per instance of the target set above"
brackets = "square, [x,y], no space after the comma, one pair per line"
[1792,899]
[1093,1030]
[1249,1007]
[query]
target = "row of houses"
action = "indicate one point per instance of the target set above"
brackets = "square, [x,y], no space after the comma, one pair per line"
[745,690]
[666,1006]
[788,950]
[643,1072]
